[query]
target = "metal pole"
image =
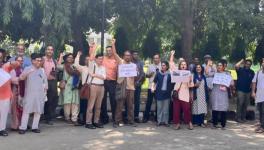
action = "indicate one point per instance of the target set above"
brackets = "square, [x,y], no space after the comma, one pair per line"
[103,28]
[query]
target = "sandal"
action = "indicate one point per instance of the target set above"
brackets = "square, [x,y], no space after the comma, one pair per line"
[190,126]
[177,127]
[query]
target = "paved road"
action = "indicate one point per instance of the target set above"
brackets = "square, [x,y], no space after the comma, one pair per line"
[62,136]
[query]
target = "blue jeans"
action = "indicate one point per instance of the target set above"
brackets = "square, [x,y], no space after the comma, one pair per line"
[163,111]
[137,102]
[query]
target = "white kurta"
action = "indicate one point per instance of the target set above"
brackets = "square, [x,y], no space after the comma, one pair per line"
[35,95]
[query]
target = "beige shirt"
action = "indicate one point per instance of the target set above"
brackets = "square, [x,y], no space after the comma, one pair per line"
[130,81]
[98,70]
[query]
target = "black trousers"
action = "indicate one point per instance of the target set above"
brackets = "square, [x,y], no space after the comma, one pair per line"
[223,115]
[51,104]
[110,87]
[83,109]
[148,105]
[261,113]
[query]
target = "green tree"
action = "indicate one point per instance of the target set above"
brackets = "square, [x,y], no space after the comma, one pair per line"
[151,45]
[239,51]
[121,41]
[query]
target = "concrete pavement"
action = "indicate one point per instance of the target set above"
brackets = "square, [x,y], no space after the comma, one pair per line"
[63,136]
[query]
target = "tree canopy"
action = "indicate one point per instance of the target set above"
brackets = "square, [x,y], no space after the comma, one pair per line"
[194,28]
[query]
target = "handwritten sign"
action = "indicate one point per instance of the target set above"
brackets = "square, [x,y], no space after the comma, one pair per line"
[127,70]
[180,76]
[4,77]
[222,79]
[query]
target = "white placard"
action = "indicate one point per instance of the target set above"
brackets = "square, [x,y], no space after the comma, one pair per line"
[4,77]
[222,79]
[178,76]
[127,70]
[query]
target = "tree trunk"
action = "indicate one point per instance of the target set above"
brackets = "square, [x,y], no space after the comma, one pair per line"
[187,33]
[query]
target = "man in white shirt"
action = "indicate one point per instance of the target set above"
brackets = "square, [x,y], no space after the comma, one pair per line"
[258,94]
[97,76]
[152,69]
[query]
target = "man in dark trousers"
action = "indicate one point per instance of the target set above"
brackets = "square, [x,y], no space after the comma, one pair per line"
[50,66]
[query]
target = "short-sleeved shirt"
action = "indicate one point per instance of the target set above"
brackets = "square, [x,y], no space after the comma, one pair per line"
[244,79]
[260,86]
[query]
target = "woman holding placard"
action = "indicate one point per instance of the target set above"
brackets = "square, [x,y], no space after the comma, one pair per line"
[182,96]
[220,95]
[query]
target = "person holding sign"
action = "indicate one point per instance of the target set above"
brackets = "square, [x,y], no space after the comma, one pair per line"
[6,93]
[220,94]
[127,85]
[182,96]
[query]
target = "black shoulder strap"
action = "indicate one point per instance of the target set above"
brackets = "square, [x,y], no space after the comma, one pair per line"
[93,72]
[87,78]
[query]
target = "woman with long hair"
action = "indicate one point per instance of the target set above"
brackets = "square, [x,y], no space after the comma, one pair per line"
[184,98]
[200,96]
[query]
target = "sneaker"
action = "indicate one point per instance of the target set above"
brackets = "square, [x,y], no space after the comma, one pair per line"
[3,133]
[90,126]
[35,130]
[98,125]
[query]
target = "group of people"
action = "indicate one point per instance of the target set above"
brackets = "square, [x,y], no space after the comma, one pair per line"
[36,86]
